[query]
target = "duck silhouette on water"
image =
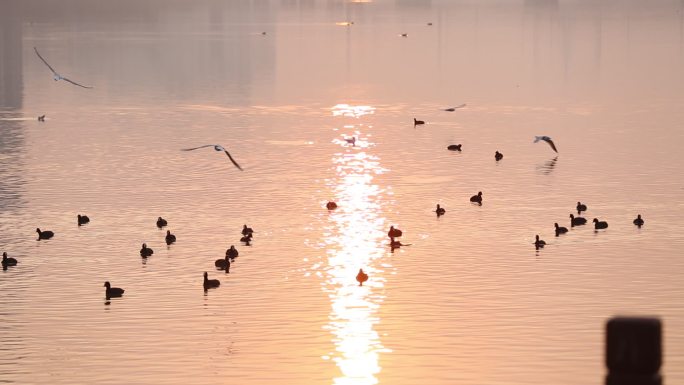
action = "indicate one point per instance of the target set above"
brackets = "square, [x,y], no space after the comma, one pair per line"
[47,234]
[145,251]
[8,261]
[538,243]
[331,205]
[440,210]
[170,238]
[247,230]
[599,225]
[454,147]
[210,283]
[477,198]
[417,122]
[82,219]
[577,221]
[498,156]
[232,253]
[581,207]
[560,230]
[161,222]
[223,264]
[361,277]
[112,292]
[638,221]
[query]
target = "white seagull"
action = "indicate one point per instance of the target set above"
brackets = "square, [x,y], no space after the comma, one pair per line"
[217,147]
[57,76]
[547,140]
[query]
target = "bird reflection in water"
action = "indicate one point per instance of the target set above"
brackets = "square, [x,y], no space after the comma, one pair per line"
[548,166]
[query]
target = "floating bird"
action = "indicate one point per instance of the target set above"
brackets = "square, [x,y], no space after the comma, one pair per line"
[44,234]
[246,230]
[264,33]
[223,264]
[440,210]
[560,230]
[217,147]
[417,122]
[8,261]
[429,24]
[538,243]
[331,205]
[161,222]
[547,140]
[498,156]
[232,253]
[57,76]
[351,141]
[82,219]
[397,244]
[246,238]
[404,35]
[452,109]
[577,221]
[477,198]
[170,238]
[361,277]
[41,118]
[145,251]
[581,207]
[112,292]
[638,221]
[600,224]
[394,233]
[454,147]
[210,283]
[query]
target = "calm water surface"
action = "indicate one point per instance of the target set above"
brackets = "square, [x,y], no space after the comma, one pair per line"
[470,301]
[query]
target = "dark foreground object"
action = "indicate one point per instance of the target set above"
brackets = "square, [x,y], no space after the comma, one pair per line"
[633,351]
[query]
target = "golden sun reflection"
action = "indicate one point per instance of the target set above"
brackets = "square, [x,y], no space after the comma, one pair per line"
[355,241]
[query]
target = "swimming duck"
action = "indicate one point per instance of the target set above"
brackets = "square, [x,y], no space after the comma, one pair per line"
[417,122]
[331,205]
[145,251]
[8,261]
[394,233]
[559,229]
[361,277]
[454,147]
[223,264]
[581,207]
[440,210]
[112,292]
[477,198]
[161,222]
[210,283]
[246,230]
[498,156]
[600,224]
[232,253]
[538,243]
[170,238]
[638,221]
[577,221]
[44,234]
[246,238]
[351,140]
[41,118]
[82,219]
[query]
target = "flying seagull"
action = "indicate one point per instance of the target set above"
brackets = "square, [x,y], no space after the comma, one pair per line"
[217,147]
[57,76]
[452,109]
[547,140]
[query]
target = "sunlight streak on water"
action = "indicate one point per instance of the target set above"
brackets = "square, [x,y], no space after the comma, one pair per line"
[355,241]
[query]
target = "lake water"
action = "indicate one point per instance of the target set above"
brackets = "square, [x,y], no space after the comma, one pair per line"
[470,301]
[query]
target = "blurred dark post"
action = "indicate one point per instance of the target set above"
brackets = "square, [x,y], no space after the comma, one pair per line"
[634,351]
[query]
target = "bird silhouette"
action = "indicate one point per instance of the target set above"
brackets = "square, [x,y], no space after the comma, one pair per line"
[57,76]
[217,147]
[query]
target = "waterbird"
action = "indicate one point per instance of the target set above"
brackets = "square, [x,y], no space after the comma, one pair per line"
[452,109]
[600,224]
[498,156]
[638,221]
[112,292]
[170,238]
[210,283]
[454,147]
[44,234]
[361,277]
[477,198]
[57,76]
[217,147]
[331,205]
[161,222]
[440,210]
[8,261]
[581,207]
[578,221]
[223,264]
[246,238]
[547,140]
[232,252]
[538,243]
[82,219]
[351,140]
[41,118]
[394,233]
[145,251]
[246,230]
[560,229]
[404,35]
[417,122]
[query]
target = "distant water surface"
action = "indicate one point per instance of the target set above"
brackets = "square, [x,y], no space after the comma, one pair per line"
[469,301]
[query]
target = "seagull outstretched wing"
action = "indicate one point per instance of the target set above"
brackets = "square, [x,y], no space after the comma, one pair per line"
[45,61]
[217,147]
[74,83]
[547,140]
[233,160]
[195,148]
[57,76]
